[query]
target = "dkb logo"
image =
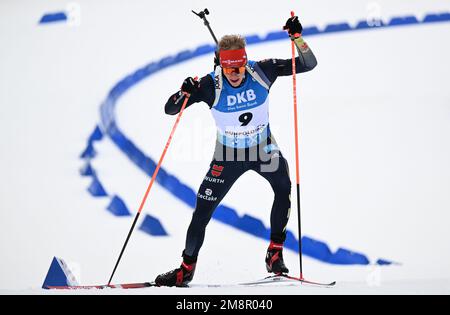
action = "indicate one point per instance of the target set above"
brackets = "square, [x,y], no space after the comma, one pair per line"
[240,98]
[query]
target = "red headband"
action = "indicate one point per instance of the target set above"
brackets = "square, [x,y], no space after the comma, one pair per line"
[233,58]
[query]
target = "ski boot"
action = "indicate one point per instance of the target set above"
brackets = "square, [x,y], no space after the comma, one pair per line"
[274,259]
[179,277]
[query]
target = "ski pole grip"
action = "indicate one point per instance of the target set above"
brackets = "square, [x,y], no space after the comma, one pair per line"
[296,35]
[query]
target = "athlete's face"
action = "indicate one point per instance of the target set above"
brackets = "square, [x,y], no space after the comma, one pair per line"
[234,75]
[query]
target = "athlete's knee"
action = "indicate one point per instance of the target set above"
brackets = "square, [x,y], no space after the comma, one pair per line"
[200,219]
[283,186]
[204,209]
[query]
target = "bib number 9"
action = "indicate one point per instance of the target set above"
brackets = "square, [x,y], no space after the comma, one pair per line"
[245,119]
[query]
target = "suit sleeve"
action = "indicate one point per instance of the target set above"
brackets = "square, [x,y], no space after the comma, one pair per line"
[306,61]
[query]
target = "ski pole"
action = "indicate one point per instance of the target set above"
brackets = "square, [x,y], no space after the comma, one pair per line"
[297,164]
[155,173]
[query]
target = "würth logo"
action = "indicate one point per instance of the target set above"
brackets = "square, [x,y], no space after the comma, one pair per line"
[216,170]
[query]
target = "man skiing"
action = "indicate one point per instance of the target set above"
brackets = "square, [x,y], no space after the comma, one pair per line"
[237,94]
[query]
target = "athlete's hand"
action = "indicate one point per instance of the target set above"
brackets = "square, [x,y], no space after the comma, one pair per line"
[293,27]
[190,86]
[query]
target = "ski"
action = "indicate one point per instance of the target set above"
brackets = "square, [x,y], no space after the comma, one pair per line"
[105,286]
[331,284]
[282,278]
[270,279]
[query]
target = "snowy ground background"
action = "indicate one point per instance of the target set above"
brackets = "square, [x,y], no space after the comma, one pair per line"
[375,144]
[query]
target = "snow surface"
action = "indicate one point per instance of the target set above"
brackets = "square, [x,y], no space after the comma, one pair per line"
[375,146]
[408,287]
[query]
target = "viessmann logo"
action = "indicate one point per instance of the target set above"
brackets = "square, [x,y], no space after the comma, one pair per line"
[237,61]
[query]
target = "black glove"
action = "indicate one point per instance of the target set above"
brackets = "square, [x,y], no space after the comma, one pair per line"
[293,26]
[190,85]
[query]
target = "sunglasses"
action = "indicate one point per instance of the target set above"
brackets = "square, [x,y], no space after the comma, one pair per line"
[238,70]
